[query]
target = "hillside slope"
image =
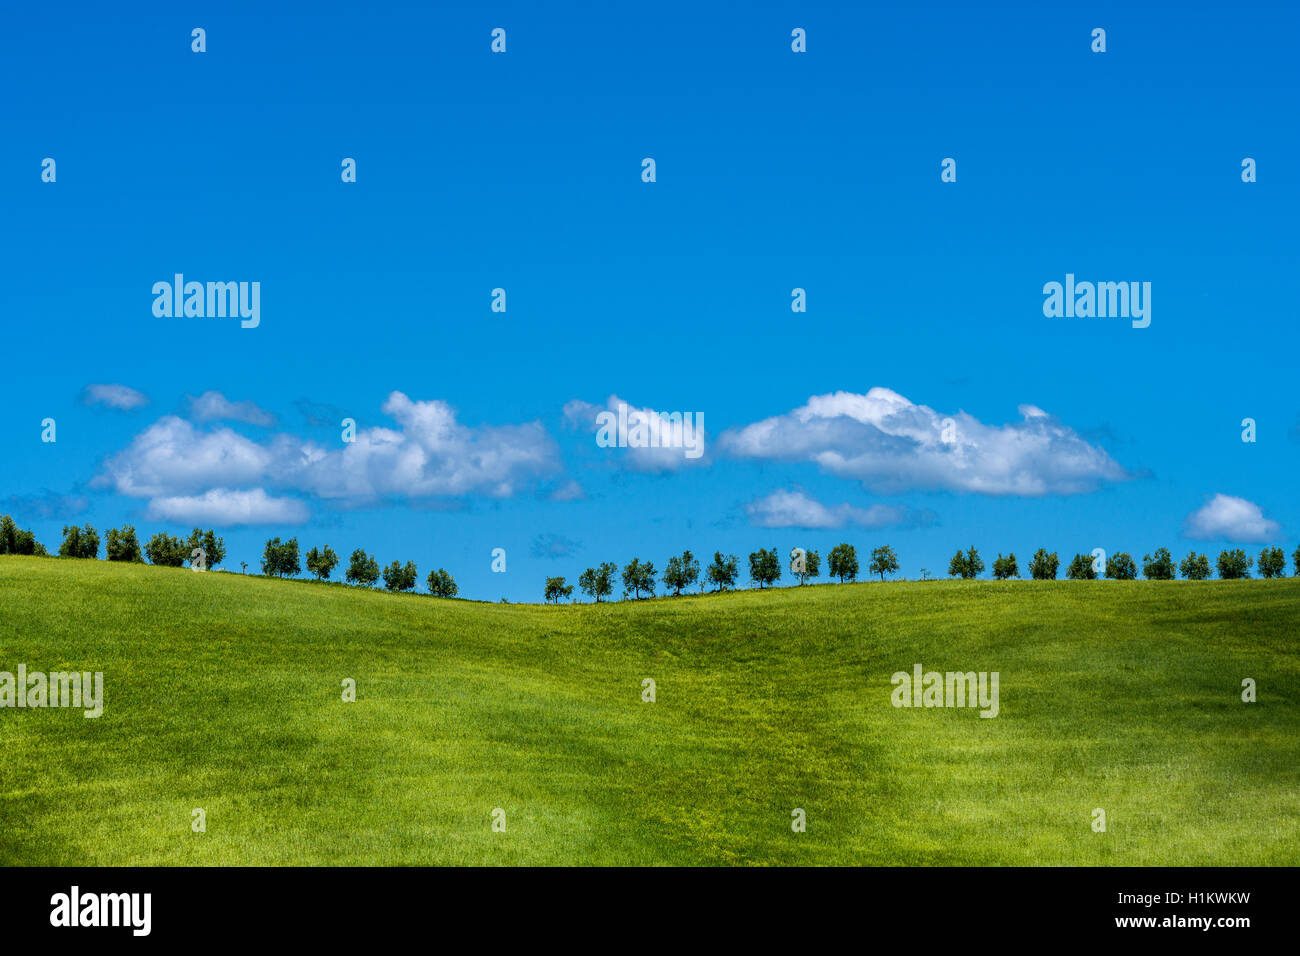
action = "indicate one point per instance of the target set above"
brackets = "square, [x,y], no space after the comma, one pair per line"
[223,692]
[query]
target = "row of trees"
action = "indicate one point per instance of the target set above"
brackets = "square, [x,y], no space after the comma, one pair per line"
[681,572]
[1232,564]
[282,557]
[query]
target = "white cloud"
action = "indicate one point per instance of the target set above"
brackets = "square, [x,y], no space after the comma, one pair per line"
[679,443]
[1225,518]
[568,491]
[120,397]
[892,445]
[213,406]
[223,507]
[794,509]
[428,455]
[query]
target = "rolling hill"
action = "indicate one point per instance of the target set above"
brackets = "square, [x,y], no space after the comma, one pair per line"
[224,693]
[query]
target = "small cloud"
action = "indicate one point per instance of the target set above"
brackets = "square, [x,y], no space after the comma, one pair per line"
[552,546]
[318,414]
[569,491]
[1225,517]
[223,506]
[121,397]
[213,406]
[794,509]
[48,504]
[647,440]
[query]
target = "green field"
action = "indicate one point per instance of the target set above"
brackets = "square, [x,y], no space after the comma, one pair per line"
[223,692]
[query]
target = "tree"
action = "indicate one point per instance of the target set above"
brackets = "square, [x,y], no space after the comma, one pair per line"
[599,581]
[556,589]
[722,573]
[1081,568]
[1272,563]
[844,562]
[681,572]
[14,540]
[966,566]
[363,569]
[1234,564]
[764,567]
[1121,567]
[8,535]
[400,577]
[1195,567]
[122,545]
[166,551]
[214,548]
[79,542]
[281,558]
[321,562]
[1044,566]
[441,584]
[1160,567]
[639,576]
[883,561]
[1004,568]
[1295,559]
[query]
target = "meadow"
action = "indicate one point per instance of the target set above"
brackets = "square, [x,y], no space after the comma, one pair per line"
[223,692]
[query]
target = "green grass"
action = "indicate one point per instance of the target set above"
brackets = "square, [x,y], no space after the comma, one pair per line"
[223,692]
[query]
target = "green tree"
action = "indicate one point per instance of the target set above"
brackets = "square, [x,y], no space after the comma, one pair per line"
[723,572]
[599,581]
[556,589]
[1272,563]
[1234,564]
[363,569]
[441,584]
[883,561]
[8,535]
[321,561]
[764,567]
[1081,568]
[681,572]
[1195,567]
[1044,566]
[844,562]
[400,577]
[639,576]
[1004,568]
[1159,567]
[79,542]
[214,548]
[1295,560]
[1121,567]
[166,551]
[122,545]
[966,566]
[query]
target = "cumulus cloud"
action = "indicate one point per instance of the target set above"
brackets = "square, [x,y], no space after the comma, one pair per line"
[223,507]
[1226,518]
[213,406]
[794,509]
[892,445]
[646,440]
[429,454]
[120,397]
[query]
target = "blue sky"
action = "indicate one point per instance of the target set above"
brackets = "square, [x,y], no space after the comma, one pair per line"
[775,170]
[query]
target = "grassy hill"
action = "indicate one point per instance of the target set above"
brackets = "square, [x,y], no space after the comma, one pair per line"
[224,692]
